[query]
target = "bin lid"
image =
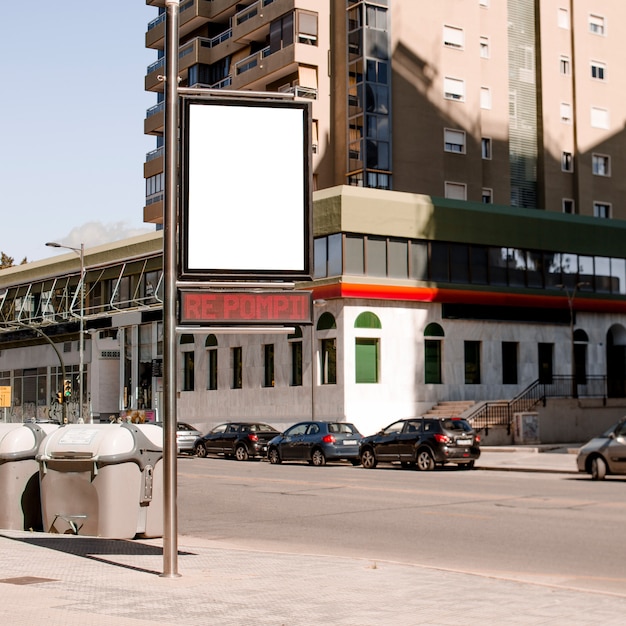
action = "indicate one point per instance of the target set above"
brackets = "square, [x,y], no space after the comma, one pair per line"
[101,441]
[20,441]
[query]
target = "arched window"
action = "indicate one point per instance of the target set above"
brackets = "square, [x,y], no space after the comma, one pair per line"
[367,319]
[581,336]
[211,345]
[328,350]
[326,322]
[184,339]
[433,351]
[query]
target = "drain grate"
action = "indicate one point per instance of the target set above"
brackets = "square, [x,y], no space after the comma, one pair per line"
[26,580]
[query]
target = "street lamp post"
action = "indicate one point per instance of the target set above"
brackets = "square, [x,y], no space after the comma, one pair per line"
[81,342]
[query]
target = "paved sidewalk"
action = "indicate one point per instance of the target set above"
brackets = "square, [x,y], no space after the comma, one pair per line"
[66,580]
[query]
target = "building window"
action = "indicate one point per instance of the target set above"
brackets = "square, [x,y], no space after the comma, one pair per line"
[509,362]
[188,382]
[601,164]
[455,191]
[236,367]
[598,70]
[566,113]
[307,28]
[211,345]
[545,353]
[485,148]
[366,360]
[281,33]
[567,162]
[602,209]
[454,89]
[597,24]
[472,362]
[599,118]
[453,37]
[295,343]
[485,98]
[484,47]
[328,358]
[433,346]
[487,196]
[563,19]
[565,66]
[568,206]
[454,140]
[268,365]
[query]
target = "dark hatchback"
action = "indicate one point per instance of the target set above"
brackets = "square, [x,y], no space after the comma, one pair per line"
[242,440]
[316,442]
[422,443]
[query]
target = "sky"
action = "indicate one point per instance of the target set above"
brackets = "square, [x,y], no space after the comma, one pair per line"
[72,106]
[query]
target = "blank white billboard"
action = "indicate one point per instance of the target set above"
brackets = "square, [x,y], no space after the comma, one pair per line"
[246,189]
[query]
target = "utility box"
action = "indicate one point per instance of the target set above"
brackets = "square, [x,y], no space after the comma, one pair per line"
[20,503]
[103,480]
[526,428]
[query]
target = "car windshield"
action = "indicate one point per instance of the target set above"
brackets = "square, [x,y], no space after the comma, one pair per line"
[457,424]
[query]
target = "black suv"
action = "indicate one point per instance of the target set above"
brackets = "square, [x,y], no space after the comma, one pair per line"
[243,440]
[422,442]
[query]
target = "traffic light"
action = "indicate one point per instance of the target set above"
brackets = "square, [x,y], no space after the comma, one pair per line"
[60,397]
[67,388]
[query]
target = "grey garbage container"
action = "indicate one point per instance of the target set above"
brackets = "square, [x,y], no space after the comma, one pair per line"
[20,504]
[103,480]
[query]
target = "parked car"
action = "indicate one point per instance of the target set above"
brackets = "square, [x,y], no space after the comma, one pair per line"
[186,436]
[316,442]
[423,443]
[604,454]
[243,440]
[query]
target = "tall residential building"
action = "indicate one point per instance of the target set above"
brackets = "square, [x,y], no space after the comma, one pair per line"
[511,102]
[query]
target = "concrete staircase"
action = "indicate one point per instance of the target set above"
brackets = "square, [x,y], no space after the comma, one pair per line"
[450,408]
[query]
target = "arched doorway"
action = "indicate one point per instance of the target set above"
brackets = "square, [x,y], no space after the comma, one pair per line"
[616,361]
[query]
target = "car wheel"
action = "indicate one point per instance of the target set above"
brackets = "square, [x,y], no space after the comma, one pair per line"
[200,451]
[318,458]
[424,461]
[273,456]
[598,468]
[368,460]
[241,453]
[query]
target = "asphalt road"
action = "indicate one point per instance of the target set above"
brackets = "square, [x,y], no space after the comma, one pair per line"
[552,529]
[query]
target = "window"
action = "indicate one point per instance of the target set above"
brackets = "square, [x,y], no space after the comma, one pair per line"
[545,353]
[433,342]
[454,140]
[485,148]
[366,360]
[487,196]
[568,206]
[455,191]
[296,357]
[268,365]
[485,98]
[211,345]
[601,164]
[236,367]
[281,33]
[188,371]
[566,113]
[472,362]
[453,37]
[601,209]
[509,362]
[563,18]
[484,47]
[454,89]
[596,24]
[599,118]
[307,28]
[565,66]
[567,162]
[328,357]
[598,70]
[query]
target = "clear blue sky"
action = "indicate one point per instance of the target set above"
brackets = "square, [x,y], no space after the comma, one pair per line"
[72,105]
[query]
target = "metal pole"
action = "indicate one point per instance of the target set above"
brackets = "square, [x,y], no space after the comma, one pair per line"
[81,345]
[170,526]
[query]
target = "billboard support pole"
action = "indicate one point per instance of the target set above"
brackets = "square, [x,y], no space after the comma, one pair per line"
[170,516]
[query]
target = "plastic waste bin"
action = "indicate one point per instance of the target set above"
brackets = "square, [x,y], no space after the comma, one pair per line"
[20,504]
[103,480]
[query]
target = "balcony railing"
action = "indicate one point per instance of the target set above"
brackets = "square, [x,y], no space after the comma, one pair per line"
[250,62]
[300,92]
[157,108]
[156,21]
[155,154]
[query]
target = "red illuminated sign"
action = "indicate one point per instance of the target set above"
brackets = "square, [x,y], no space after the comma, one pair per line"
[238,307]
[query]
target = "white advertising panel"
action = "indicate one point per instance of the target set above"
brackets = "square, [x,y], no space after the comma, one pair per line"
[246,190]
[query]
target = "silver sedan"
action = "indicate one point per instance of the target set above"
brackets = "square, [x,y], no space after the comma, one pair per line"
[604,454]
